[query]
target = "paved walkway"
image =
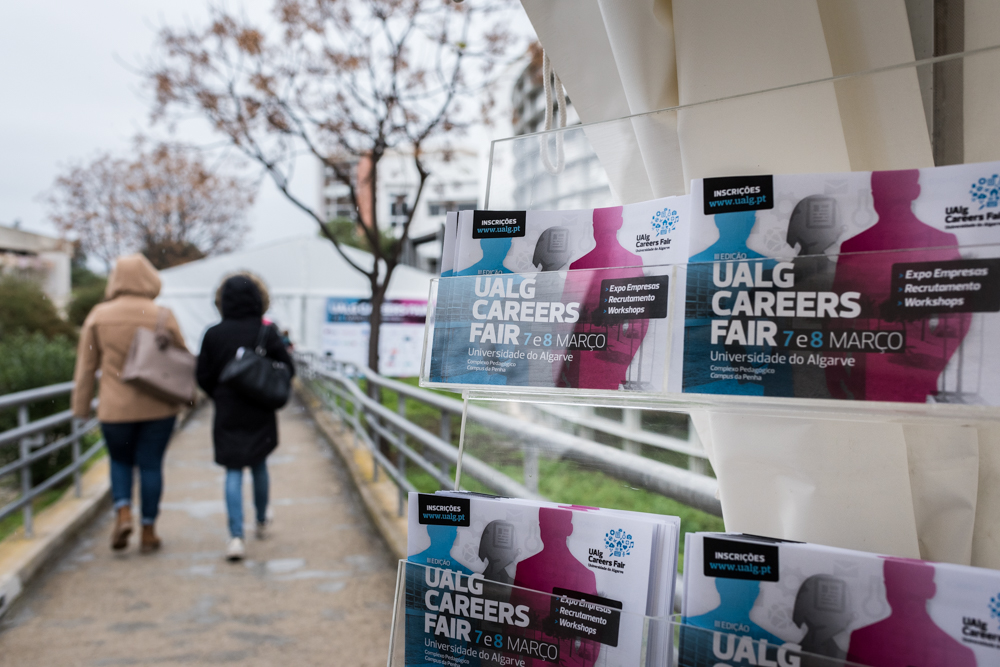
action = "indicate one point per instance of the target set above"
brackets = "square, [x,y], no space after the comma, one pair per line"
[317,592]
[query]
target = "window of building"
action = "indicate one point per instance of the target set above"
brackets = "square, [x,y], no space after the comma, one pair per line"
[399,206]
[442,207]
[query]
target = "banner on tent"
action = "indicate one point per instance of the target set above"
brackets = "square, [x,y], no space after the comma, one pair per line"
[346,329]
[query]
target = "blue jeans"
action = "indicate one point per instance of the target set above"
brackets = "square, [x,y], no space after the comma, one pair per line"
[141,444]
[234,496]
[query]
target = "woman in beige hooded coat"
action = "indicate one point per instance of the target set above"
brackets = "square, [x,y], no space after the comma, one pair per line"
[136,425]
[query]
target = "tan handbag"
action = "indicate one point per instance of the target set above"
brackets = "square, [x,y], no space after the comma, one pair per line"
[157,367]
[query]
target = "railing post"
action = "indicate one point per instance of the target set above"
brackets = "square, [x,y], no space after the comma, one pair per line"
[374,434]
[376,443]
[445,432]
[400,457]
[632,419]
[77,425]
[354,418]
[25,447]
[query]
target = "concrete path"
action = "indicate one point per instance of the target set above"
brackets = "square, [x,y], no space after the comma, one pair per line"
[318,592]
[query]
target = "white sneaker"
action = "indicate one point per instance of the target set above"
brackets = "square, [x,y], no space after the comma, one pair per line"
[235,550]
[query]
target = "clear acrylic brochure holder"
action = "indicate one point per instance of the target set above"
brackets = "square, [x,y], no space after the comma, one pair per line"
[523,434]
[642,641]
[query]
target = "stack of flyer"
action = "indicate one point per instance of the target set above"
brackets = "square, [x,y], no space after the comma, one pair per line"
[873,286]
[502,581]
[876,286]
[578,299]
[756,601]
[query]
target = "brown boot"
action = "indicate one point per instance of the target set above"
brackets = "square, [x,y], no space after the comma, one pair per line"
[150,542]
[122,529]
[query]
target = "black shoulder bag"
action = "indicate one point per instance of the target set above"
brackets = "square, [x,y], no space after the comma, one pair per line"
[255,377]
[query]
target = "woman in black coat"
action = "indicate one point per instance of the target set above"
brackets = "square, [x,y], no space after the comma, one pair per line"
[244,434]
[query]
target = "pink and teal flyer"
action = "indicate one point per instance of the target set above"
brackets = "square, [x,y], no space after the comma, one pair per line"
[869,286]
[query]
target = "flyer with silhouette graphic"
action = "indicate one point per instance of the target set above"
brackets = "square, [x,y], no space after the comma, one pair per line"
[521,583]
[579,299]
[874,286]
[759,600]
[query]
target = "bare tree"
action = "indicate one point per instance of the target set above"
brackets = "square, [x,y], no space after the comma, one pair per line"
[344,81]
[162,201]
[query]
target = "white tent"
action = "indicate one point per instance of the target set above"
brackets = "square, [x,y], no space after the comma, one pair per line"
[301,274]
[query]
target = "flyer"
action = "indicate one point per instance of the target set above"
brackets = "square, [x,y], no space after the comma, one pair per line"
[666,544]
[514,582]
[764,601]
[875,286]
[575,299]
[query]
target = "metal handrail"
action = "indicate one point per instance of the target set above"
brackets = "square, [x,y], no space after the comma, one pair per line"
[27,396]
[477,469]
[608,426]
[32,448]
[39,426]
[692,488]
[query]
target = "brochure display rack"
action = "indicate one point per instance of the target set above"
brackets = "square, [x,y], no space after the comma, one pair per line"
[830,337]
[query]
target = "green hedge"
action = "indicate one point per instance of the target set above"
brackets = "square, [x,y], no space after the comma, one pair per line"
[25,308]
[84,299]
[31,360]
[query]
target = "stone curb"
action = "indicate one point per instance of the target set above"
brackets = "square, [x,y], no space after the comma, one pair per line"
[381,498]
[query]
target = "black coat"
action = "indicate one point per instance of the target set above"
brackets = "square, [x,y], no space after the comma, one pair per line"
[243,433]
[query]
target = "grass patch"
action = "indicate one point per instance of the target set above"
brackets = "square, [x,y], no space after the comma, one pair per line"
[16,520]
[571,483]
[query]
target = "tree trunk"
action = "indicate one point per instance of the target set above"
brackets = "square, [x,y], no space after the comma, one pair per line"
[375,330]
[375,320]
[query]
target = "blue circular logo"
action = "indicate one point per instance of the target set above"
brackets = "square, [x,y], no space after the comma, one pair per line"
[618,543]
[986,192]
[665,221]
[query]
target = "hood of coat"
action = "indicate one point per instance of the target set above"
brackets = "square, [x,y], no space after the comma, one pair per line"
[133,274]
[241,298]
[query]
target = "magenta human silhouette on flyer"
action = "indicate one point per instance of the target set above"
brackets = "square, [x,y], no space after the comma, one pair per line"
[908,637]
[555,567]
[863,268]
[607,368]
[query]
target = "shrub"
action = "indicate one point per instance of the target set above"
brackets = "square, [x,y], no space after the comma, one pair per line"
[25,308]
[84,299]
[31,360]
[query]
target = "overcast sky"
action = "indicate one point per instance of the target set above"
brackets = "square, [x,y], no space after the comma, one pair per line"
[68,93]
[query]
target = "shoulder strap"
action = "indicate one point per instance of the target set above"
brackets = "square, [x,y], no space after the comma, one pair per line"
[261,348]
[163,337]
[161,320]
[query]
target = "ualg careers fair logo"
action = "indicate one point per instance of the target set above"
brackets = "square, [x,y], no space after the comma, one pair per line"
[618,543]
[995,608]
[986,192]
[665,221]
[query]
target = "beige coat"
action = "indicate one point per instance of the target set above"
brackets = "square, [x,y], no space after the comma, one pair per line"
[105,339]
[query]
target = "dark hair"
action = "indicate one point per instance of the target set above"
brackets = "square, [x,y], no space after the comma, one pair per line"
[265,298]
